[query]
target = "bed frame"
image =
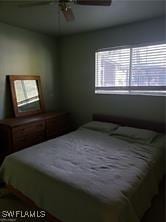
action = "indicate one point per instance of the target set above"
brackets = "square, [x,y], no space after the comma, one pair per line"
[30,203]
[160,127]
[123,121]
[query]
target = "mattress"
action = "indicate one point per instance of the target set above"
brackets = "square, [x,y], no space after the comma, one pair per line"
[88,176]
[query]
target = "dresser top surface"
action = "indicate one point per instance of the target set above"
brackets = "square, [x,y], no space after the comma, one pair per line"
[13,122]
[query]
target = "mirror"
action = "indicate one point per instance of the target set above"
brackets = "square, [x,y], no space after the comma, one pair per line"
[26,95]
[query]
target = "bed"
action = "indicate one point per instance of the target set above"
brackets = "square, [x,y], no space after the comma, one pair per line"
[90,174]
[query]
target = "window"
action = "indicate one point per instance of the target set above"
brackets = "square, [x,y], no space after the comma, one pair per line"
[135,70]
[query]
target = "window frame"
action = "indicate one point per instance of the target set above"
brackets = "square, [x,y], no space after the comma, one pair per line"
[130,90]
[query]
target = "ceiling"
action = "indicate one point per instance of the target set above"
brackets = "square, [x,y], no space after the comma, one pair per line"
[45,18]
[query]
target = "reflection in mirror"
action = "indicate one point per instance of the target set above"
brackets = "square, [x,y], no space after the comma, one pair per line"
[27,95]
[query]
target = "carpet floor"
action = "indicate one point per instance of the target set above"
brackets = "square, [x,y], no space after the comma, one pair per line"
[156,213]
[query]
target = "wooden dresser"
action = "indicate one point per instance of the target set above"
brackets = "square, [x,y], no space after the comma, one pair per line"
[19,133]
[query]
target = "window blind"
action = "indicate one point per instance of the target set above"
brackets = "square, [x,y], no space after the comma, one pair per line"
[135,68]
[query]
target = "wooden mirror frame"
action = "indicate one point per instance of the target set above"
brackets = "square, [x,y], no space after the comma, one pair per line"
[11,79]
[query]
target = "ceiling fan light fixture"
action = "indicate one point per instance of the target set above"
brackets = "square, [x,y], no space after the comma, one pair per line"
[93,2]
[66,10]
[63,4]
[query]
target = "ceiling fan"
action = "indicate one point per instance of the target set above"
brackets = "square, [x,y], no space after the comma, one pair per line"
[64,5]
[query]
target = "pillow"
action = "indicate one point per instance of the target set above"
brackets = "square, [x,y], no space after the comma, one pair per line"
[104,127]
[135,134]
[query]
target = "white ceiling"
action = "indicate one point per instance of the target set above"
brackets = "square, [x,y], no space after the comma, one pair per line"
[45,18]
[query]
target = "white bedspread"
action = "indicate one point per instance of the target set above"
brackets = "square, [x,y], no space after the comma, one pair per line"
[87,176]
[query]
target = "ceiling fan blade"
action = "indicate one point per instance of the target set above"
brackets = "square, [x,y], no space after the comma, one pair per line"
[68,14]
[32,4]
[26,2]
[94,2]
[11,2]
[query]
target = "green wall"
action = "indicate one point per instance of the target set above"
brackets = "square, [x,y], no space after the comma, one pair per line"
[77,68]
[24,52]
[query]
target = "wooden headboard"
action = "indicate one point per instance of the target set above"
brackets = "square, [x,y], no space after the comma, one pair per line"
[123,121]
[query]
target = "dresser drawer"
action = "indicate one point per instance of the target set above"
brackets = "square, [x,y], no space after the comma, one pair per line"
[19,143]
[26,141]
[28,135]
[28,129]
[57,126]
